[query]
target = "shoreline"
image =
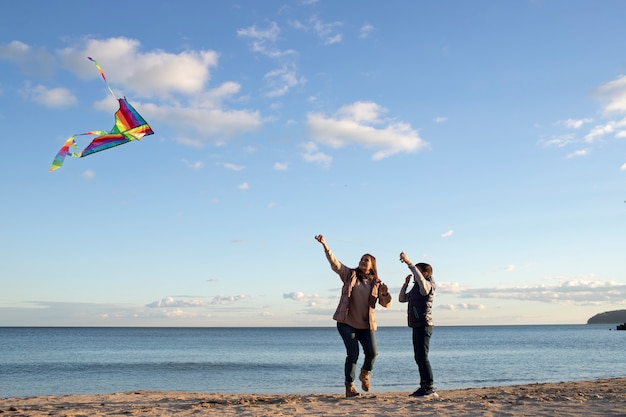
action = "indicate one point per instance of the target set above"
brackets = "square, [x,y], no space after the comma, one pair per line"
[601,397]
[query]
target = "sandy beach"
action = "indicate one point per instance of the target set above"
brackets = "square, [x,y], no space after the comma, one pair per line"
[605,397]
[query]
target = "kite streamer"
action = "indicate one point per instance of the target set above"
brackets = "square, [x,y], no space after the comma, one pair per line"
[129,126]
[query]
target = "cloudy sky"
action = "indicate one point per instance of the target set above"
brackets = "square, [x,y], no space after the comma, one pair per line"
[486,138]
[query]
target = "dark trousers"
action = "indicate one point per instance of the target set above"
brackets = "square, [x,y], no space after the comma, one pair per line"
[421,342]
[351,339]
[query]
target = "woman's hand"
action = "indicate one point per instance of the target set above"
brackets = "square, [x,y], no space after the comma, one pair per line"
[320,238]
[407,279]
[383,289]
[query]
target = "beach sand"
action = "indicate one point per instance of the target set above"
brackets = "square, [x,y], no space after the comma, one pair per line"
[605,397]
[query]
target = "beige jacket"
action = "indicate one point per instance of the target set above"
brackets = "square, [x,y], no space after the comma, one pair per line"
[348,277]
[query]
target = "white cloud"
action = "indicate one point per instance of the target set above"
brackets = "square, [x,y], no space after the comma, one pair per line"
[461,306]
[263,41]
[365,31]
[448,233]
[149,74]
[557,141]
[51,97]
[573,123]
[244,186]
[198,112]
[613,95]
[29,59]
[441,119]
[579,152]
[623,167]
[169,302]
[233,167]
[281,166]
[310,300]
[576,291]
[197,165]
[88,174]
[206,122]
[326,30]
[361,123]
[599,131]
[281,80]
[180,314]
[227,299]
[311,154]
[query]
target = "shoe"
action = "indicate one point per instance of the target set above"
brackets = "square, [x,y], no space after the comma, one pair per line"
[351,390]
[425,393]
[364,377]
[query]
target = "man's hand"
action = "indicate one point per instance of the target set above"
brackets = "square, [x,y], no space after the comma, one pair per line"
[404,258]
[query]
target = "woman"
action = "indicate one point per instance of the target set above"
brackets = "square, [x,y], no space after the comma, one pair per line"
[355,317]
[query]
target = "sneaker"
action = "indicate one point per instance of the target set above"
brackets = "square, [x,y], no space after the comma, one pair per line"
[425,393]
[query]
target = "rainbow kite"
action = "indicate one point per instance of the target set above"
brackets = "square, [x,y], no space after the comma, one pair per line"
[129,126]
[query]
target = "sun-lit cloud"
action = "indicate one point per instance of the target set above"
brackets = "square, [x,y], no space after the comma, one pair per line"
[196,166]
[361,123]
[557,141]
[327,31]
[147,74]
[170,88]
[313,155]
[166,88]
[29,59]
[599,132]
[170,302]
[263,40]
[575,291]
[461,306]
[88,174]
[50,96]
[227,299]
[447,233]
[281,80]
[613,95]
[204,121]
[579,152]
[233,167]
[365,31]
[310,300]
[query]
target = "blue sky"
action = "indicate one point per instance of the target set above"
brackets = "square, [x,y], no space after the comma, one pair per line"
[486,138]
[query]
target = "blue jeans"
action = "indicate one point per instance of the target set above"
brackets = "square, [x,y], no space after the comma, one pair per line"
[421,342]
[351,338]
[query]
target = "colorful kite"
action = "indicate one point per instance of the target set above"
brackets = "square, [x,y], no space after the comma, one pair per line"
[129,126]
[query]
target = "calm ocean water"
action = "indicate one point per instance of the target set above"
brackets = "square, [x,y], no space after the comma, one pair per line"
[43,361]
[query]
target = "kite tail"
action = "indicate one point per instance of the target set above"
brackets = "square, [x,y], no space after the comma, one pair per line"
[65,149]
[103,77]
[60,157]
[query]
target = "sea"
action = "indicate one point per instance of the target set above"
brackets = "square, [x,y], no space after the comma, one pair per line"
[38,361]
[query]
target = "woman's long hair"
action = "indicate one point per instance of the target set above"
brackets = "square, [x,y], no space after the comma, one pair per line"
[373,270]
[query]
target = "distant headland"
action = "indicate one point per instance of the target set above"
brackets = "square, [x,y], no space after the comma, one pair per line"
[609,317]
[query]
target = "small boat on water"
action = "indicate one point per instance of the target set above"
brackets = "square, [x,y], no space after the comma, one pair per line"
[621,326]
